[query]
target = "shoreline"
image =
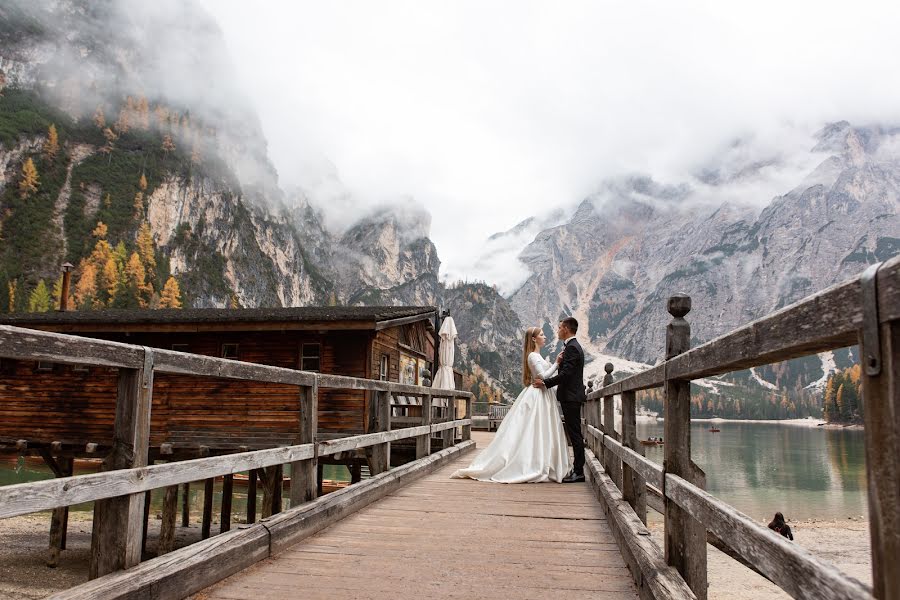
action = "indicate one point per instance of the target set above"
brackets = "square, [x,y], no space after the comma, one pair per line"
[811,423]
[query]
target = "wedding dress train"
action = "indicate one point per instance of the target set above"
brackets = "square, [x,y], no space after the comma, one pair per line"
[530,444]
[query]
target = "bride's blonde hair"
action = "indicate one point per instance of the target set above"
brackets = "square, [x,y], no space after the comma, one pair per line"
[530,346]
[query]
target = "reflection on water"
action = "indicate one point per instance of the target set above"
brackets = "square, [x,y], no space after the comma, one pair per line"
[761,468]
[18,470]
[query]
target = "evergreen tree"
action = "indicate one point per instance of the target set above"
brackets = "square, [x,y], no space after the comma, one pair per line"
[39,300]
[51,146]
[29,183]
[171,294]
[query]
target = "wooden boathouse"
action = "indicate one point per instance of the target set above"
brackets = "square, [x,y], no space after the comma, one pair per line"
[411,531]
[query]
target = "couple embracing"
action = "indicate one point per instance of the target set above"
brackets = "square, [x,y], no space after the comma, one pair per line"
[530,444]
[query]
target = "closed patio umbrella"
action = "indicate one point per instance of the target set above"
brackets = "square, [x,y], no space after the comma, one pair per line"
[443,379]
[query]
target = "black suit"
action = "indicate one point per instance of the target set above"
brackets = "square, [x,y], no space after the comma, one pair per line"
[569,382]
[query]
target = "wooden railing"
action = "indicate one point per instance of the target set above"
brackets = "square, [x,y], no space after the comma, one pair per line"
[119,491]
[863,310]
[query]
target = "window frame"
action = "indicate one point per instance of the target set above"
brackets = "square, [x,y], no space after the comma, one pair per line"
[317,357]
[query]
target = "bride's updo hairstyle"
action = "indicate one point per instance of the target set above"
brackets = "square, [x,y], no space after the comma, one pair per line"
[530,346]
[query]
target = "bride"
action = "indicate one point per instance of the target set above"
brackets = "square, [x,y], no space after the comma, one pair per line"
[530,444]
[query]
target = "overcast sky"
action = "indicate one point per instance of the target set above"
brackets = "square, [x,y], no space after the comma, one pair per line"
[489,112]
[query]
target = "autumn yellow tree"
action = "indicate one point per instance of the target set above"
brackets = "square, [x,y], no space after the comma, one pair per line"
[167,144]
[51,146]
[29,183]
[146,251]
[111,137]
[86,288]
[143,112]
[138,205]
[142,183]
[234,302]
[171,294]
[100,118]
[13,285]
[136,277]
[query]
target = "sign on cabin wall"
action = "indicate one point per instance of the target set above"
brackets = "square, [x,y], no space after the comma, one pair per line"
[409,369]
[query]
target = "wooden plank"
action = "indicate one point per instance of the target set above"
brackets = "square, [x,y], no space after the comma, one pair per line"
[167,361]
[824,321]
[379,420]
[648,469]
[423,442]
[654,578]
[379,325]
[225,510]
[166,541]
[119,522]
[251,496]
[24,498]
[195,567]
[881,395]
[791,567]
[206,519]
[685,537]
[335,446]
[186,505]
[30,344]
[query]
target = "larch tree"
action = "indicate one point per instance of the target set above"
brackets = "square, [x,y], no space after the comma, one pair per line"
[86,288]
[136,277]
[171,294]
[143,111]
[146,250]
[11,289]
[99,118]
[39,300]
[167,144]
[138,205]
[30,182]
[142,183]
[51,146]
[109,280]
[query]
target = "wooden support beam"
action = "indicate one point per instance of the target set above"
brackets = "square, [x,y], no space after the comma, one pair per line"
[634,487]
[186,505]
[225,511]
[251,495]
[166,541]
[467,429]
[423,442]
[277,488]
[206,521]
[146,522]
[685,537]
[118,522]
[304,487]
[881,398]
[59,519]
[379,419]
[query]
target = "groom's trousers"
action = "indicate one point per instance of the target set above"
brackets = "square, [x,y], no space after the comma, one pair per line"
[572,415]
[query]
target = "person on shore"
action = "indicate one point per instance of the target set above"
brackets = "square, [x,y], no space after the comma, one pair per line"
[778,525]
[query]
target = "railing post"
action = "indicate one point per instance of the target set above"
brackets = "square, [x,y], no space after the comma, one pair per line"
[119,522]
[379,419]
[304,473]
[634,488]
[685,537]
[448,436]
[881,412]
[609,428]
[423,442]
[467,429]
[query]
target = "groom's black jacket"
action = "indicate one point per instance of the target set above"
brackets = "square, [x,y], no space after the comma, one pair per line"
[570,378]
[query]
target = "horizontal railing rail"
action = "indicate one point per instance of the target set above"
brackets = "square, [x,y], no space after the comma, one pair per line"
[122,488]
[863,310]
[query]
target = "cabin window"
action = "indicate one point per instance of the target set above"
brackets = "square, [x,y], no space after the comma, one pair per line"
[180,347]
[230,351]
[44,365]
[80,368]
[385,370]
[310,357]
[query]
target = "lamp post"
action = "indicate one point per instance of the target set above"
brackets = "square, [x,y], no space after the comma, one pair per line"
[64,292]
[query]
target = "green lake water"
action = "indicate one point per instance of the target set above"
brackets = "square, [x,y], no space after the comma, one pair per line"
[761,468]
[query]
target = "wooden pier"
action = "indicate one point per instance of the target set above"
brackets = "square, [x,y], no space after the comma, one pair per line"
[451,538]
[409,531]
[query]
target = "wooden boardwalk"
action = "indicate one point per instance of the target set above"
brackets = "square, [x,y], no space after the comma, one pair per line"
[447,538]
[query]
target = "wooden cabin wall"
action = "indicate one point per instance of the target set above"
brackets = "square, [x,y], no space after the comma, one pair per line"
[64,404]
[78,407]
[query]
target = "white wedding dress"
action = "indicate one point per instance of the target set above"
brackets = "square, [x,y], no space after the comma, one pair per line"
[530,444]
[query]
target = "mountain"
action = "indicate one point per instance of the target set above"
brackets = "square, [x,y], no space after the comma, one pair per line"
[151,176]
[636,241]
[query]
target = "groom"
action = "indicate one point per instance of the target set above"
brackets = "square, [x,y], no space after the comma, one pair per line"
[570,392]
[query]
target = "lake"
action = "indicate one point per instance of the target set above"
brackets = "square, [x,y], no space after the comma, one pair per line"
[761,468]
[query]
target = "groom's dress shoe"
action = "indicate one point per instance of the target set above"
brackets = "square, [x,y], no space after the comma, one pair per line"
[573,478]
